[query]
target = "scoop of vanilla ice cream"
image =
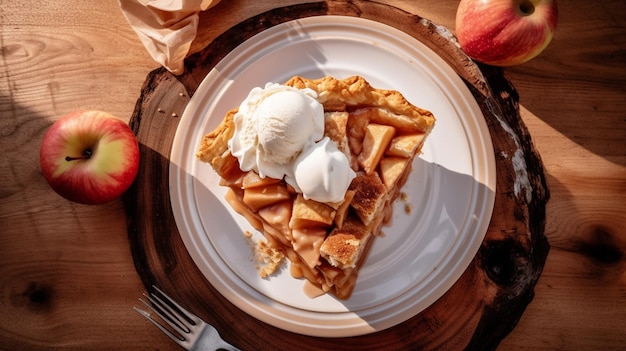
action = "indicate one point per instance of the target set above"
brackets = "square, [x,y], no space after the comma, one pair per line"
[277,134]
[286,121]
[323,173]
[272,126]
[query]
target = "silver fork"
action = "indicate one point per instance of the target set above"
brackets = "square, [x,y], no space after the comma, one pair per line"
[192,332]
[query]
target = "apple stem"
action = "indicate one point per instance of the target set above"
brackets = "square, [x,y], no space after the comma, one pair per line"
[86,155]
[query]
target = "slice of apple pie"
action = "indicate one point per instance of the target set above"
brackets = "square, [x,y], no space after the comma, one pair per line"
[315,165]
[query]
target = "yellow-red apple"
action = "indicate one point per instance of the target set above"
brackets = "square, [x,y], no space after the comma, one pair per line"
[505,32]
[89,157]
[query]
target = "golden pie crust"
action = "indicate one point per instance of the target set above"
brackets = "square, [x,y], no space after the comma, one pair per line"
[380,132]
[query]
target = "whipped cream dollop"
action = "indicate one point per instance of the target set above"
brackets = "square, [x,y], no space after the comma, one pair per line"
[323,172]
[279,133]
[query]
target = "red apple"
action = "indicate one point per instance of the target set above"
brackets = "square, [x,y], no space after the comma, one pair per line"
[90,157]
[505,32]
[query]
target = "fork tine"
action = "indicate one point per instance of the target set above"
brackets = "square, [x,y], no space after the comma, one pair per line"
[167,317]
[165,311]
[166,331]
[195,320]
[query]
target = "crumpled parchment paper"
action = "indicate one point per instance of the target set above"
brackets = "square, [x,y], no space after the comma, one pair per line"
[166,27]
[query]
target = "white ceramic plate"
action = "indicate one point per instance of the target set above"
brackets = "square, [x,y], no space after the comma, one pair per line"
[451,189]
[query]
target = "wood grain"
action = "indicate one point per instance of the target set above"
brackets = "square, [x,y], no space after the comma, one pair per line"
[67,278]
[476,313]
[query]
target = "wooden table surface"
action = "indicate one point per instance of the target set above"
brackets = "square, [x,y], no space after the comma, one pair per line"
[67,278]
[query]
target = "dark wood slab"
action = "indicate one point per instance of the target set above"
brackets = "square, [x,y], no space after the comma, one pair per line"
[475,314]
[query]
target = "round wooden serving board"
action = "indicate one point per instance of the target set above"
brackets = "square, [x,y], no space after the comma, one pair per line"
[475,314]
